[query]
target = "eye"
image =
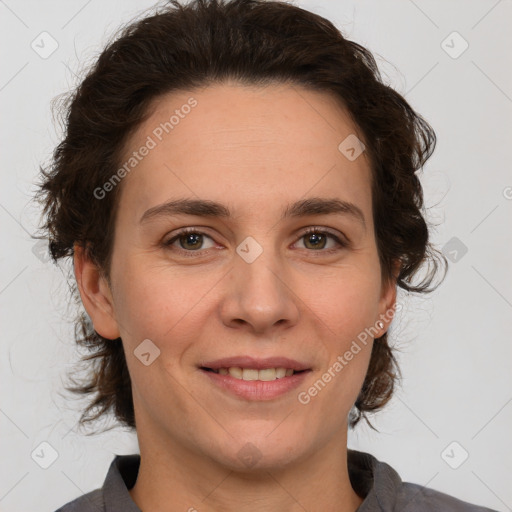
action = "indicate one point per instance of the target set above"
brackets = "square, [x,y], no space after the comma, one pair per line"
[316,239]
[190,240]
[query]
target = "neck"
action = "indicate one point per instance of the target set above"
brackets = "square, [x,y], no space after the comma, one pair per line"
[172,478]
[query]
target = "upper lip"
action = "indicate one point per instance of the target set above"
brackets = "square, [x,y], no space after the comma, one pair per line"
[258,364]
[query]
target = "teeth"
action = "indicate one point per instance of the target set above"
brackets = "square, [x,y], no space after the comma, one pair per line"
[235,372]
[267,374]
[248,374]
[281,372]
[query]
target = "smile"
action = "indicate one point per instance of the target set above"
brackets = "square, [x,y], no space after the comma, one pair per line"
[252,384]
[267,374]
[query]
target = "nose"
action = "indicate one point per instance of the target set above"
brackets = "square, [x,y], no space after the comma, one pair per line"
[259,295]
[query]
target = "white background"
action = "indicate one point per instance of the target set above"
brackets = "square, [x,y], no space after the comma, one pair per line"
[455,345]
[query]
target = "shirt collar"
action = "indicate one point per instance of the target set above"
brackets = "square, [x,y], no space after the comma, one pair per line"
[121,477]
[377,481]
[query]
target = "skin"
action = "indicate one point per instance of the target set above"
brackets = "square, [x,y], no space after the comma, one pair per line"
[253,149]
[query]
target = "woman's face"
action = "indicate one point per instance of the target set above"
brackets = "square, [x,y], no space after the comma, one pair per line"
[250,283]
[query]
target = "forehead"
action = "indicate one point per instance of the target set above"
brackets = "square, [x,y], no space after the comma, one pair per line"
[243,145]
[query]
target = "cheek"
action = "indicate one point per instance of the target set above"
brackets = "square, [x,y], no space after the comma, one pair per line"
[150,304]
[346,302]
[344,313]
[344,309]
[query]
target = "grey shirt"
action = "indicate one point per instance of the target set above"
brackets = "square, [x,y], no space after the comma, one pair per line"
[377,482]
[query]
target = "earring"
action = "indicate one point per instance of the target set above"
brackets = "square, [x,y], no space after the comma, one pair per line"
[380,324]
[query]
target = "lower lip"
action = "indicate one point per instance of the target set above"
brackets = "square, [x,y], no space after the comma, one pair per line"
[257,389]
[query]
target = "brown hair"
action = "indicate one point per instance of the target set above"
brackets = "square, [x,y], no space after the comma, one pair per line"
[255,42]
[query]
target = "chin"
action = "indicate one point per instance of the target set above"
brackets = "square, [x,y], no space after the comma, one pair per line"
[251,459]
[253,451]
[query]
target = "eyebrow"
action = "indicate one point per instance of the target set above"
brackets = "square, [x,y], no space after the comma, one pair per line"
[212,209]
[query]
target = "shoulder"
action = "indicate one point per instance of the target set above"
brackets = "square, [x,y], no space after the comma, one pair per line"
[90,502]
[384,490]
[422,499]
[114,494]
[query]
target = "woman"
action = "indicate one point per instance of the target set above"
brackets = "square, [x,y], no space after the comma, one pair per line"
[237,189]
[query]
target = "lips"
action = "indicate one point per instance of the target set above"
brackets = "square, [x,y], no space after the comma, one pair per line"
[263,384]
[247,362]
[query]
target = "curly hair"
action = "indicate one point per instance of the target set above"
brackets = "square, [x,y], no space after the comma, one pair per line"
[204,42]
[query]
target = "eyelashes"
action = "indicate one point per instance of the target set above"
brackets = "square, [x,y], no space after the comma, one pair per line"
[320,234]
[186,232]
[327,234]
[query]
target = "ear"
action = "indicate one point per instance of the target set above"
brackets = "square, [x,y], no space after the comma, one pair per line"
[387,301]
[95,294]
